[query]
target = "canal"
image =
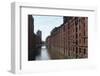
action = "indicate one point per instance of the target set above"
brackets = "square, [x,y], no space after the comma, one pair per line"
[44,55]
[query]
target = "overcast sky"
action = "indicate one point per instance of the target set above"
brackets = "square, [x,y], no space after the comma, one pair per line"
[46,24]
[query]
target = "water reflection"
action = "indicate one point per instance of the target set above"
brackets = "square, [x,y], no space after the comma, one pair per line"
[43,55]
[33,53]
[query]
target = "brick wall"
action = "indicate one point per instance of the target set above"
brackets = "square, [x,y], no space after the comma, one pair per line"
[70,40]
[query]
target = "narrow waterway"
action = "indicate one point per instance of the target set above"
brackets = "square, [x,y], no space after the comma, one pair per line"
[44,55]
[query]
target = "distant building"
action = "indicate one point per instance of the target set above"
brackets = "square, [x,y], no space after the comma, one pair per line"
[39,38]
[39,34]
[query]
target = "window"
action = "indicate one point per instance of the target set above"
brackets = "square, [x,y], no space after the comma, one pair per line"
[64,28]
[76,42]
[79,50]
[76,52]
[76,21]
[79,34]
[79,26]
[84,51]
[76,36]
[84,32]
[76,29]
[84,40]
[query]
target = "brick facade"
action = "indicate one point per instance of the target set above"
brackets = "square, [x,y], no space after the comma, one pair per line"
[70,40]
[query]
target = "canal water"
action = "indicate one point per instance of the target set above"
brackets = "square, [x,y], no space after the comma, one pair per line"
[44,55]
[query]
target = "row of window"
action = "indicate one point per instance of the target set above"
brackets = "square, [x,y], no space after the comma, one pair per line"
[79,51]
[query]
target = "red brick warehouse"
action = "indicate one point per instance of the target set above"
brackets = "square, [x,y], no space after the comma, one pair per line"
[70,40]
